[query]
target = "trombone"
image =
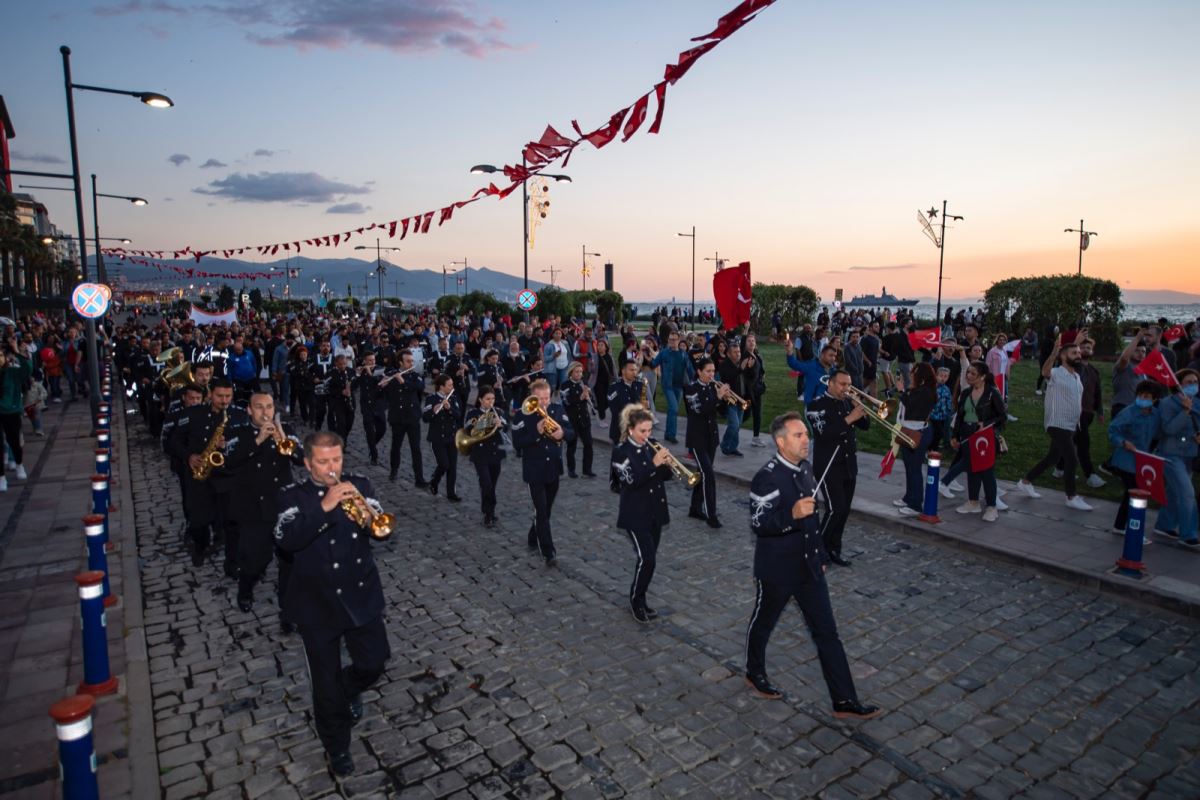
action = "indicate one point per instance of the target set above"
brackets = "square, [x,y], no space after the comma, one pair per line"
[882,409]
[885,408]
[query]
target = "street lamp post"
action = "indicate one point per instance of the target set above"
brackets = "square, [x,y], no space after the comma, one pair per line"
[1085,237]
[489,169]
[692,236]
[583,270]
[466,275]
[379,268]
[941,245]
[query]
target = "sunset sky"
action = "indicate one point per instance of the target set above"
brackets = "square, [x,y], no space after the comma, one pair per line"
[805,143]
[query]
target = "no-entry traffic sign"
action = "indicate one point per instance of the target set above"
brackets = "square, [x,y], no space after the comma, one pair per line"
[91,300]
[527,300]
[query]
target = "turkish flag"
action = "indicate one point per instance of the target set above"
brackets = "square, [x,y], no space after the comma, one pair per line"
[983,449]
[731,288]
[1148,470]
[999,379]
[889,461]
[925,339]
[1155,367]
[1174,333]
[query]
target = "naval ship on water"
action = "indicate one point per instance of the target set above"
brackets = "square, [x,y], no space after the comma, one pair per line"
[880,300]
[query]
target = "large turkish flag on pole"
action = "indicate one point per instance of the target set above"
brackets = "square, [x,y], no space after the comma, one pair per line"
[731,288]
[1148,470]
[1155,367]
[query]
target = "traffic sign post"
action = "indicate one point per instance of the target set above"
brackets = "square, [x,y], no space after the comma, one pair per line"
[527,300]
[91,300]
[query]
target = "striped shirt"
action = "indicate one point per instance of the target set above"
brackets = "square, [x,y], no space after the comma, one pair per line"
[1064,399]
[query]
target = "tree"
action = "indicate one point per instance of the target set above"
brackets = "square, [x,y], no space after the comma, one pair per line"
[256,299]
[1067,301]
[552,300]
[795,304]
[448,303]
[225,298]
[605,302]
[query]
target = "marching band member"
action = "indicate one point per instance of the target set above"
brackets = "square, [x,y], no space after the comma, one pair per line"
[405,389]
[334,594]
[702,398]
[487,456]
[460,369]
[641,472]
[577,400]
[341,397]
[320,373]
[190,396]
[492,374]
[300,380]
[441,414]
[372,401]
[833,417]
[789,561]
[542,463]
[622,393]
[260,467]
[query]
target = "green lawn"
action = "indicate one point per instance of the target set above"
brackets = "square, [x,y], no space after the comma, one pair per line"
[1027,441]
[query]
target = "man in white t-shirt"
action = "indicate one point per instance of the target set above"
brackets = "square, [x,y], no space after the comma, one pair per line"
[1064,402]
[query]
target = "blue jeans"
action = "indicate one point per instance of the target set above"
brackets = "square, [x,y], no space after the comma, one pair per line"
[733,428]
[1180,513]
[674,396]
[914,475]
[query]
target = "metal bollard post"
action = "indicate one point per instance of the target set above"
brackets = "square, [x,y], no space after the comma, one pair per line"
[102,466]
[929,511]
[97,555]
[76,751]
[97,677]
[103,439]
[1130,563]
[100,503]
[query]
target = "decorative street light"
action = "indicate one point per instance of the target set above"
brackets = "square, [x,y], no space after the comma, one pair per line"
[692,236]
[487,169]
[583,267]
[1085,238]
[940,242]
[380,269]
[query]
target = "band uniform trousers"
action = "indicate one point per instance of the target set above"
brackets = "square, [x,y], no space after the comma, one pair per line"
[446,456]
[645,545]
[813,599]
[256,544]
[583,434]
[341,416]
[704,494]
[543,495]
[837,493]
[374,427]
[489,476]
[412,430]
[334,685]
[320,410]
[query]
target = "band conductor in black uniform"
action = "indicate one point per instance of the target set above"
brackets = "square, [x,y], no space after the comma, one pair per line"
[789,562]
[833,417]
[539,435]
[404,390]
[487,456]
[641,472]
[702,397]
[442,414]
[335,596]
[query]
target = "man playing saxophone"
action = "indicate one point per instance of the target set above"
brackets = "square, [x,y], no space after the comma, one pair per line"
[202,432]
[334,594]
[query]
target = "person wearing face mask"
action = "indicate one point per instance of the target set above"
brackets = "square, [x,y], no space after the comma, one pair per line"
[1134,428]
[1125,381]
[1064,398]
[1179,444]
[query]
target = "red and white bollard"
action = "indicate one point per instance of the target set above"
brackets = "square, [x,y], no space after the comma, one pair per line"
[76,750]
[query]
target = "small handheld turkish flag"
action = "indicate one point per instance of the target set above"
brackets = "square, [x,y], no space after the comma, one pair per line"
[1155,367]
[925,338]
[1174,333]
[1148,470]
[983,449]
[889,461]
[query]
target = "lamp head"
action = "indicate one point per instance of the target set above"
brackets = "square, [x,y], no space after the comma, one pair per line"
[139,201]
[127,241]
[155,100]
[483,169]
[47,240]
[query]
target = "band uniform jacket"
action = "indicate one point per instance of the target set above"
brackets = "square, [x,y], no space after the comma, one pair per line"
[621,394]
[541,456]
[576,407]
[491,375]
[300,376]
[321,370]
[339,380]
[489,451]
[462,383]
[190,436]
[172,421]
[334,582]
[370,396]
[787,551]
[702,404]
[443,424]
[259,471]
[827,419]
[404,395]
[643,490]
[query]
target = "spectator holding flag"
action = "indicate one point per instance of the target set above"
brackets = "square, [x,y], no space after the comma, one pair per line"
[1179,444]
[1131,432]
[980,418]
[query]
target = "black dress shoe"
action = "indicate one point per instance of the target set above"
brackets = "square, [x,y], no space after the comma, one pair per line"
[392,476]
[571,474]
[650,612]
[231,570]
[288,628]
[841,562]
[341,763]
[375,460]
[696,515]
[453,498]
[852,709]
[245,603]
[552,560]
[198,558]
[713,522]
[421,484]
[433,489]
[356,708]
[640,615]
[588,474]
[762,687]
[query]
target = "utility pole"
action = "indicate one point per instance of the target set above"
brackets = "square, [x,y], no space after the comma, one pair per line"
[1085,237]
[466,273]
[692,236]
[552,272]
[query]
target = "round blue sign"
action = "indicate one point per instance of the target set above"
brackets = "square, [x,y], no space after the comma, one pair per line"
[91,300]
[527,299]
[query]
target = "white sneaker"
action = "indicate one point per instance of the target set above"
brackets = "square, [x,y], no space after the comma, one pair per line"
[944,491]
[1095,481]
[757,442]
[21,476]
[991,514]
[905,511]
[899,504]
[1038,392]
[1027,488]
[1058,473]
[1011,418]
[956,486]
[1001,505]
[3,484]
[1077,503]
[969,507]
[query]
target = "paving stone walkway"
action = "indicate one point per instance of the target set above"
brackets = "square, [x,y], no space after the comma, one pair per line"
[509,679]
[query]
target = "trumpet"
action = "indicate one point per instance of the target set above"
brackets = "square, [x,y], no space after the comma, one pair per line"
[283,445]
[733,398]
[681,472]
[357,509]
[532,406]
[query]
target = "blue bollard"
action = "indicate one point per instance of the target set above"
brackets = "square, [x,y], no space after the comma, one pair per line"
[97,555]
[97,677]
[76,751]
[929,511]
[100,502]
[102,465]
[1130,563]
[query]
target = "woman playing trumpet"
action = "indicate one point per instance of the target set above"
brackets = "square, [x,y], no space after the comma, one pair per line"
[641,468]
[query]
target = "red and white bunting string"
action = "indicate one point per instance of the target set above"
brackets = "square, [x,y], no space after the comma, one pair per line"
[551,147]
[190,272]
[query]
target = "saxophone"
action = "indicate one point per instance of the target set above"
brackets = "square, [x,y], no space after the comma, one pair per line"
[211,457]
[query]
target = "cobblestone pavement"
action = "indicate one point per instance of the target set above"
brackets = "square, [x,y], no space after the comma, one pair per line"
[512,680]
